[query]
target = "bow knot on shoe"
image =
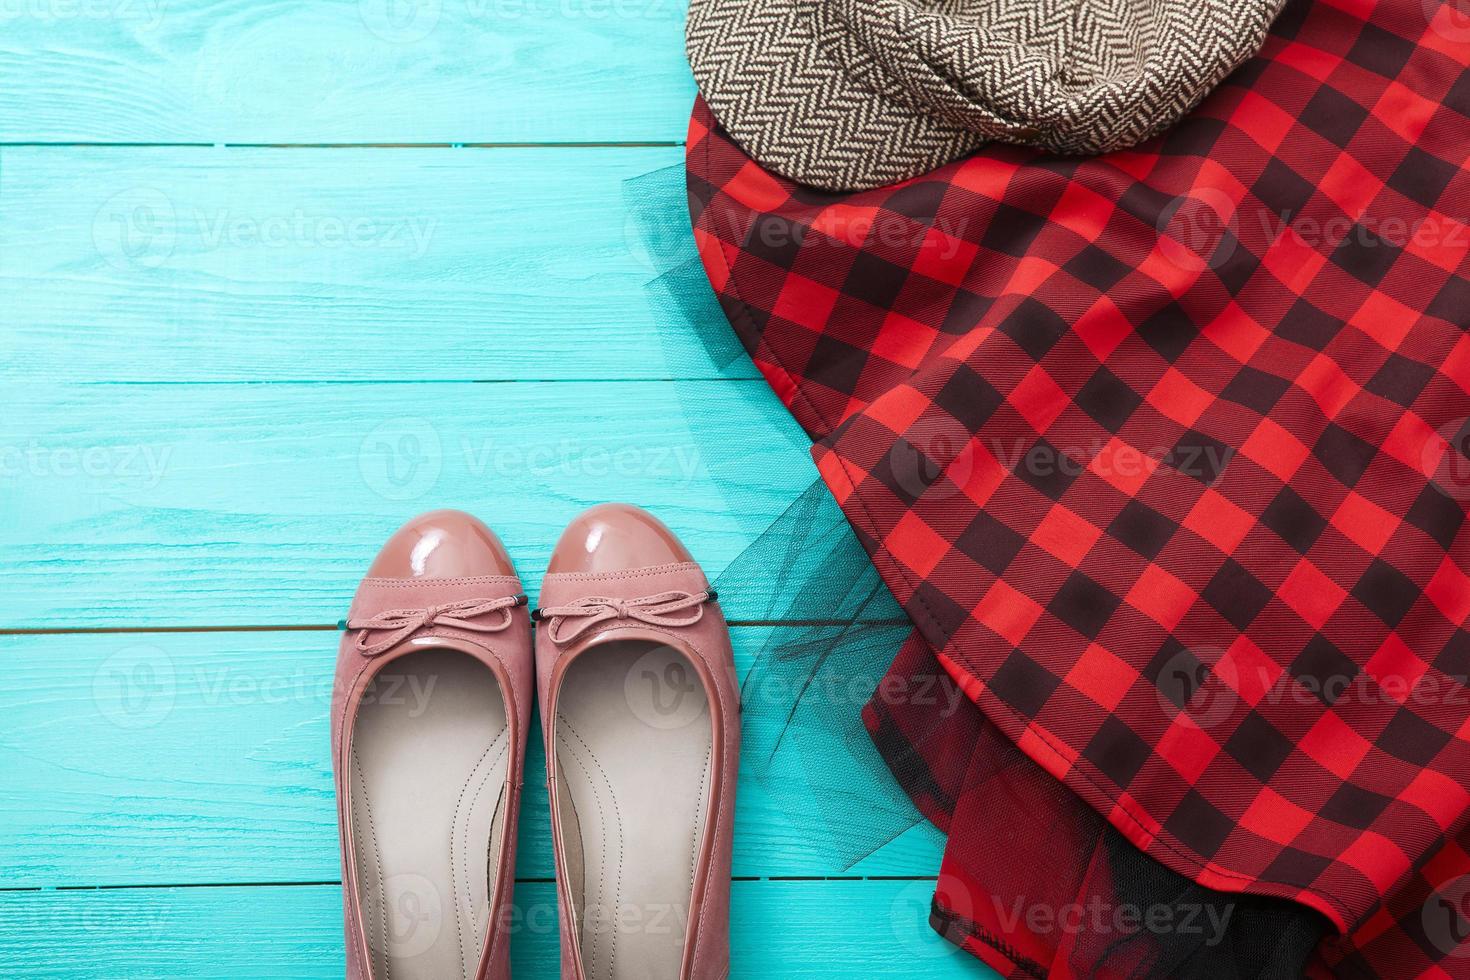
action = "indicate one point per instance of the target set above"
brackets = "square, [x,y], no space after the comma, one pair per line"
[672,608]
[465,614]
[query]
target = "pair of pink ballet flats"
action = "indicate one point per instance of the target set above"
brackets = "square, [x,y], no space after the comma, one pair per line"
[632,667]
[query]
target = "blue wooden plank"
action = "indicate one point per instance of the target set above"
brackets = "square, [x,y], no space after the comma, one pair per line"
[830,930]
[198,758]
[348,265]
[224,505]
[376,71]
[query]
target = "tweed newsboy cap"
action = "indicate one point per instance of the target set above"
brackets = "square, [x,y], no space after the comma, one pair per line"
[852,94]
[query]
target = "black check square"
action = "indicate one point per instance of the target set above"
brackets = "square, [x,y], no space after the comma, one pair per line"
[1324,670]
[989,543]
[836,363]
[1452,300]
[1084,605]
[1236,594]
[946,615]
[1297,866]
[1353,806]
[1309,326]
[1381,51]
[1422,177]
[1023,684]
[1012,230]
[1343,454]
[1438,514]
[1035,328]
[1454,660]
[1200,456]
[969,398]
[1282,190]
[907,472]
[1117,751]
[1170,331]
[1142,528]
[964,309]
[1387,592]
[1333,116]
[1097,268]
[1400,379]
[1255,389]
[1411,738]
[1233,264]
[1107,400]
[919,201]
[1177,672]
[1047,469]
[1198,824]
[1294,519]
[1458,97]
[1366,255]
[1258,747]
[775,239]
[875,280]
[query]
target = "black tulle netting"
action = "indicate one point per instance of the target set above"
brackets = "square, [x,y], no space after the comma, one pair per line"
[1017,838]
[831,627]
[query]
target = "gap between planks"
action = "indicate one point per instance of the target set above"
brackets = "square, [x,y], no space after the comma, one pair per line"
[471,145]
[338,883]
[334,627]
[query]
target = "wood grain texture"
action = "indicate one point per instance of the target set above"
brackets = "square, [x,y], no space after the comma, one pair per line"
[829,929]
[224,505]
[346,265]
[198,758]
[359,71]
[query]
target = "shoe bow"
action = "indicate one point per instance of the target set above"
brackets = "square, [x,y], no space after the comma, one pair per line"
[466,614]
[674,608]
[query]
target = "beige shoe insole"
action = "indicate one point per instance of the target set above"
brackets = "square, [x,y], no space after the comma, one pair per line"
[633,743]
[430,752]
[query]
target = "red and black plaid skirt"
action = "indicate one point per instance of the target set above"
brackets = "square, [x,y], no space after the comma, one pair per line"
[1164,452]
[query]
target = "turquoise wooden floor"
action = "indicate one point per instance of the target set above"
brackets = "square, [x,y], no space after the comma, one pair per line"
[274,277]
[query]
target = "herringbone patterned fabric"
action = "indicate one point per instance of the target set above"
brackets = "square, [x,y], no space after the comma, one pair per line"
[851,94]
[1166,453]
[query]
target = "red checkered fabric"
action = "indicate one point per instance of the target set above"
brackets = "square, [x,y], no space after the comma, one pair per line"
[1164,452]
